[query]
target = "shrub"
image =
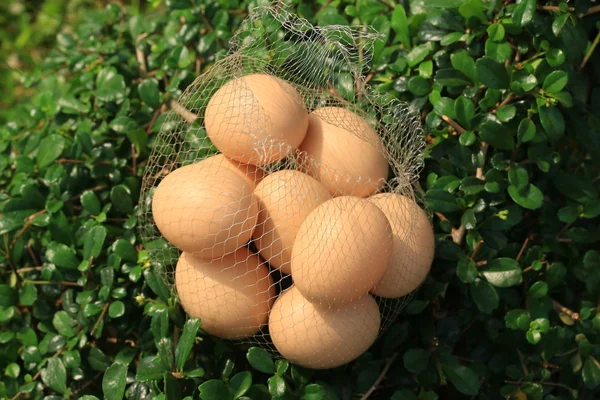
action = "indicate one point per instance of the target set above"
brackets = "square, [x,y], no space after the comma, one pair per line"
[508,94]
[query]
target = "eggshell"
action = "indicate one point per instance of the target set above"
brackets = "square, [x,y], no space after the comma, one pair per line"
[256,119]
[251,174]
[346,152]
[231,295]
[414,245]
[205,209]
[341,251]
[285,199]
[320,337]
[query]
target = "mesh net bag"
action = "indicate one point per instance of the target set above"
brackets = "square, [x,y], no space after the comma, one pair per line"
[278,198]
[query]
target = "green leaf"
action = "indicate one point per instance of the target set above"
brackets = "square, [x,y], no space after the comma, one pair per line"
[518,177]
[472,9]
[553,122]
[526,131]
[186,342]
[61,255]
[50,148]
[110,86]
[90,202]
[451,77]
[465,111]
[492,73]
[591,260]
[538,290]
[463,62]
[260,360]
[134,132]
[468,219]
[442,201]
[64,324]
[214,390]
[12,370]
[149,93]
[154,279]
[506,113]
[149,369]
[55,375]
[240,383]
[399,24]
[416,360]
[555,81]
[530,197]
[314,392]
[503,272]
[281,367]
[93,242]
[591,373]
[114,381]
[524,12]
[419,86]
[555,57]
[125,250]
[497,135]
[463,378]
[559,23]
[500,52]
[276,386]
[466,270]
[28,294]
[166,353]
[418,54]
[445,3]
[116,309]
[467,138]
[485,296]
[517,319]
[496,32]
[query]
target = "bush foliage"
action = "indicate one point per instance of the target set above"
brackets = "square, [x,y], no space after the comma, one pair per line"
[509,96]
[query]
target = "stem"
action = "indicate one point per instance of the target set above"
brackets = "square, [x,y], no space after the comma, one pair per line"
[553,8]
[588,54]
[593,10]
[522,249]
[457,127]
[64,283]
[373,387]
[476,249]
[458,234]
[39,373]
[183,112]
[559,308]
[479,172]
[97,324]
[28,269]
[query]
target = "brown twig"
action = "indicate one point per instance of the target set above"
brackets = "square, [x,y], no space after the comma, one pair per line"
[66,161]
[100,318]
[85,385]
[32,254]
[28,222]
[63,283]
[522,361]
[590,51]
[134,157]
[593,10]
[552,8]
[476,249]
[28,269]
[481,263]
[504,102]
[385,370]
[159,111]
[559,308]
[522,249]
[139,54]
[457,127]
[479,173]
[183,112]
[458,234]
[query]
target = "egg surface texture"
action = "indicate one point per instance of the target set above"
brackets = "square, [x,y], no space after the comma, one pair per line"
[208,210]
[341,251]
[320,338]
[344,153]
[414,245]
[232,295]
[251,174]
[256,119]
[285,200]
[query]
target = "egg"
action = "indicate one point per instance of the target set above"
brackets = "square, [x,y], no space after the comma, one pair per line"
[231,295]
[285,199]
[344,153]
[414,245]
[341,251]
[205,209]
[251,174]
[321,337]
[256,119]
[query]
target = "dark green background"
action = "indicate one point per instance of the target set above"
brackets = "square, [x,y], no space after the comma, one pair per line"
[509,99]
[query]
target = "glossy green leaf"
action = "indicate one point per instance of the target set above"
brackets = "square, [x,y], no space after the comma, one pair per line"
[526,130]
[399,24]
[441,200]
[503,272]
[492,73]
[61,255]
[186,342]
[524,12]
[416,360]
[214,390]
[277,386]
[94,242]
[451,77]
[463,378]
[463,62]
[55,375]
[555,81]
[149,93]
[149,368]
[485,296]
[240,383]
[114,381]
[50,148]
[530,197]
[466,270]
[260,360]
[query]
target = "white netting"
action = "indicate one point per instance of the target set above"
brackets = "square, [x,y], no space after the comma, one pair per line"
[279,174]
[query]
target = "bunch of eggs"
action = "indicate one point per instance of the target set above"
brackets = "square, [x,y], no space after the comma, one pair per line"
[323,222]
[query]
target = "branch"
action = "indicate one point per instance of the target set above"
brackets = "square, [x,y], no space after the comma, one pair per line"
[39,373]
[593,10]
[457,127]
[64,283]
[183,112]
[559,308]
[522,249]
[552,8]
[588,54]
[479,172]
[100,318]
[373,387]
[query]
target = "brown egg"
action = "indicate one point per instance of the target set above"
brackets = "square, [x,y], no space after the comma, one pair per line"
[231,295]
[208,210]
[341,251]
[414,245]
[256,119]
[346,152]
[285,200]
[251,174]
[321,337]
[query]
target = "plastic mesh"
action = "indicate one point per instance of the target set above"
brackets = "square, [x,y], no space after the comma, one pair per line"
[278,160]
